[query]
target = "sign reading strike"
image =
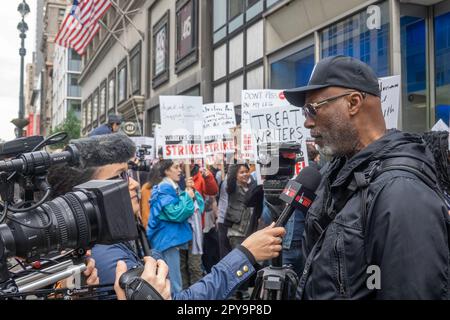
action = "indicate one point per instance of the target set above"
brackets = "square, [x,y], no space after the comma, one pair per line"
[256,100]
[182,127]
[390,100]
[218,119]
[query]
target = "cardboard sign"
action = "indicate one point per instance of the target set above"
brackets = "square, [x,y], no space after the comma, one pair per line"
[255,100]
[390,100]
[182,127]
[218,119]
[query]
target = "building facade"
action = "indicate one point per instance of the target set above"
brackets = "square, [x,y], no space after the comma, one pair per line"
[66,91]
[112,80]
[54,12]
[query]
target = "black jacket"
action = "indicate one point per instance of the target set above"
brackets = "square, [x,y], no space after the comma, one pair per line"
[404,231]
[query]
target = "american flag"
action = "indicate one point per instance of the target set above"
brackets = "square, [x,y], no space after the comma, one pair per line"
[81,24]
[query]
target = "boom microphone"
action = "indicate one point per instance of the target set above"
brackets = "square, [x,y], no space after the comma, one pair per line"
[105,149]
[299,194]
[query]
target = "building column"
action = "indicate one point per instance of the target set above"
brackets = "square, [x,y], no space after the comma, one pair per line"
[395,46]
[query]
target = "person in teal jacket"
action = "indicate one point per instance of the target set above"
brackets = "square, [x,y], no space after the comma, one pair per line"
[170,208]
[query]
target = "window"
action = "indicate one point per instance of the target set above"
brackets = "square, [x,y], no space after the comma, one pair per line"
[61,12]
[74,61]
[161,51]
[89,111]
[220,68]
[95,108]
[236,87]
[414,94]
[102,101]
[236,53]
[112,91]
[122,82]
[135,64]
[220,14]
[220,93]
[75,105]
[293,71]
[186,51]
[254,7]
[235,7]
[255,78]
[255,41]
[153,117]
[83,116]
[364,36]
[442,49]
[74,89]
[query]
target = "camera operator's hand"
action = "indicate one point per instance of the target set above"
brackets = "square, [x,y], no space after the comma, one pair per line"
[91,271]
[265,244]
[155,273]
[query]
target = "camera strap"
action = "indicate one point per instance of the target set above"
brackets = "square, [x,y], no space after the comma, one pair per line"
[139,289]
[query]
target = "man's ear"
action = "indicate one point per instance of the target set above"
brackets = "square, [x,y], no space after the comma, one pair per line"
[355,103]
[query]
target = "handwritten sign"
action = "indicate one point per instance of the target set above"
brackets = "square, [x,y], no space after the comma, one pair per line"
[390,100]
[255,100]
[218,119]
[182,127]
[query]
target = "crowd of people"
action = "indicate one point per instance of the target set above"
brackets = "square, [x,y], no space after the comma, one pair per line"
[384,201]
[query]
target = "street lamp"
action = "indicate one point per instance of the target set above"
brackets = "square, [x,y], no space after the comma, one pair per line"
[20,123]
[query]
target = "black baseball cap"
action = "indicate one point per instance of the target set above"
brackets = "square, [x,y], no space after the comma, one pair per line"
[115,118]
[337,71]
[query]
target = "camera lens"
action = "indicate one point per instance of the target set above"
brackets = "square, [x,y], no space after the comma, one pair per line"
[74,223]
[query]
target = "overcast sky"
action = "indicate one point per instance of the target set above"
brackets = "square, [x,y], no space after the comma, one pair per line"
[10,61]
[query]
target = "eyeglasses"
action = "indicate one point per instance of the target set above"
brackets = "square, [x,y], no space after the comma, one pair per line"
[310,109]
[122,176]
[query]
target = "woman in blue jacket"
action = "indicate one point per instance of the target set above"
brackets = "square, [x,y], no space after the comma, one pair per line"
[170,208]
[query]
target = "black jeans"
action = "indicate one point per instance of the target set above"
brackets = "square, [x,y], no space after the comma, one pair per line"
[224,242]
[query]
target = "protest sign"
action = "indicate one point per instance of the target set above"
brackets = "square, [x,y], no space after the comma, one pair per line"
[279,125]
[390,100]
[254,100]
[218,119]
[182,127]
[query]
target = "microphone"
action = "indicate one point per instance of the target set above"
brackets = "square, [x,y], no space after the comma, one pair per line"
[299,194]
[97,151]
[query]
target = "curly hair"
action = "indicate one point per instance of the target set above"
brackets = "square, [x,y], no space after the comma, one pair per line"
[437,142]
[63,178]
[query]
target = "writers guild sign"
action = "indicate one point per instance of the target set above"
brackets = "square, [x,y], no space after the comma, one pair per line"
[130,128]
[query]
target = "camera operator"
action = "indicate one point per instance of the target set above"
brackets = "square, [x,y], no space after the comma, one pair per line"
[225,276]
[113,126]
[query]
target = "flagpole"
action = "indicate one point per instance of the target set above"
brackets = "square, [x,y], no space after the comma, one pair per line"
[113,35]
[119,9]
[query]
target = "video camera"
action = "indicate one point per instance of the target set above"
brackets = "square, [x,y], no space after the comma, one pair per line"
[143,164]
[96,212]
[278,161]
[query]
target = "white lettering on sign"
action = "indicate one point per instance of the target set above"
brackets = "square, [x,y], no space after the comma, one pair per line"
[374,19]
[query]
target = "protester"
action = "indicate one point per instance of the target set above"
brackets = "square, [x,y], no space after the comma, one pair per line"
[146,193]
[438,143]
[376,230]
[238,216]
[170,208]
[191,257]
[113,126]
[222,228]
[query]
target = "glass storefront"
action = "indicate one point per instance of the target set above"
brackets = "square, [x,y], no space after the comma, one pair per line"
[364,35]
[293,71]
[414,73]
[442,52]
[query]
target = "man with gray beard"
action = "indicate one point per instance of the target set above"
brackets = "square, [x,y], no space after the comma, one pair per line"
[379,228]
